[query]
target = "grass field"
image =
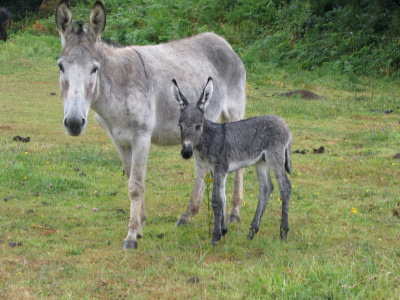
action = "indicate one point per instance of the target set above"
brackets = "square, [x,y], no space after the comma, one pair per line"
[64,207]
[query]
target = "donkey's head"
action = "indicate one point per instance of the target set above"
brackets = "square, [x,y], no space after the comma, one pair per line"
[79,64]
[191,120]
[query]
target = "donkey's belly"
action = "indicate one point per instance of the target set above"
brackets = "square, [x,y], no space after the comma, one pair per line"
[165,137]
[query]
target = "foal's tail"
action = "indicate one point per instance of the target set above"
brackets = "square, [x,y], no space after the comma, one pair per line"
[288,161]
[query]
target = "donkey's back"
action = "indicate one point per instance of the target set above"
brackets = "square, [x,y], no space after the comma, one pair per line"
[190,61]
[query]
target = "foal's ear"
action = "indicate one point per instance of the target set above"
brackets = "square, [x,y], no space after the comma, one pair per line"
[177,95]
[206,95]
[64,19]
[97,20]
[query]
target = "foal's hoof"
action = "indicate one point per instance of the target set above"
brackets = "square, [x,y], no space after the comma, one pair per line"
[183,220]
[215,240]
[129,245]
[234,218]
[224,231]
[284,233]
[251,234]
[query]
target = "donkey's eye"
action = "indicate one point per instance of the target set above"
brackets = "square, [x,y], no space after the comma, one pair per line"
[61,67]
[94,70]
[197,127]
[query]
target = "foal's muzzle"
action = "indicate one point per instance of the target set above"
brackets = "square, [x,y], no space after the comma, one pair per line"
[74,125]
[187,150]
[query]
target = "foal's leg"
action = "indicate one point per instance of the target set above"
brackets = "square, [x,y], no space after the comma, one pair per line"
[285,188]
[136,190]
[197,194]
[219,206]
[264,192]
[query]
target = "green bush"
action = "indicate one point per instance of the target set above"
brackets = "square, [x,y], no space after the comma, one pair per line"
[357,36]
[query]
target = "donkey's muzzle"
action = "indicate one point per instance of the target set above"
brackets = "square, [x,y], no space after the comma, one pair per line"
[187,150]
[74,125]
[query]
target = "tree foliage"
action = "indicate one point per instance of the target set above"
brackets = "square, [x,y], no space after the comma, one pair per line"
[21,8]
[360,36]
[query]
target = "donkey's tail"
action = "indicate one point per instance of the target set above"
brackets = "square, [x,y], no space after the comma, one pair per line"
[288,161]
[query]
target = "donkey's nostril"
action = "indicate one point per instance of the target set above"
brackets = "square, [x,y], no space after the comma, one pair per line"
[187,152]
[74,125]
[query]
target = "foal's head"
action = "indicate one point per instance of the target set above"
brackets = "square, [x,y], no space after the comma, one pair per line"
[79,63]
[192,117]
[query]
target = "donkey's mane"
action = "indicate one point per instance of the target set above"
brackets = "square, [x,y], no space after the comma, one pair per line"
[112,43]
[81,31]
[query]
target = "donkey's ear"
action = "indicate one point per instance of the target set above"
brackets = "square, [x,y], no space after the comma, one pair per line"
[97,20]
[177,95]
[206,95]
[64,19]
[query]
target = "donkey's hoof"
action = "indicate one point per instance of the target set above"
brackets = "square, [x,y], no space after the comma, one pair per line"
[234,218]
[129,245]
[183,220]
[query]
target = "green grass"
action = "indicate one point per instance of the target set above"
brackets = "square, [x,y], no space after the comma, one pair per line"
[344,238]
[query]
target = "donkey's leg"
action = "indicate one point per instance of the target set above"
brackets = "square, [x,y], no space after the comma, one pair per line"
[237,197]
[224,225]
[285,188]
[234,112]
[197,194]
[136,190]
[124,151]
[218,197]
[264,192]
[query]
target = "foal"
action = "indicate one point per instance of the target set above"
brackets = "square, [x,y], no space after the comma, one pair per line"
[263,141]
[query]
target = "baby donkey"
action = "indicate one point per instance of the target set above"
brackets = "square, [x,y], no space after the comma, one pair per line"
[263,141]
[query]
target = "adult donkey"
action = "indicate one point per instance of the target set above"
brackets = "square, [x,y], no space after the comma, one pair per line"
[5,21]
[126,87]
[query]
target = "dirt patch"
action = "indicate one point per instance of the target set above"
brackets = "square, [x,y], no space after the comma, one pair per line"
[303,94]
[359,117]
[18,138]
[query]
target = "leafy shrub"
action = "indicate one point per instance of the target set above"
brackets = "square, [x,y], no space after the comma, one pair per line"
[356,36]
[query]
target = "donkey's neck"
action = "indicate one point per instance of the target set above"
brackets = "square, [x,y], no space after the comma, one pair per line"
[123,75]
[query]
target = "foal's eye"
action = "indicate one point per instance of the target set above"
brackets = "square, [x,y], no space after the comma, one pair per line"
[197,127]
[94,70]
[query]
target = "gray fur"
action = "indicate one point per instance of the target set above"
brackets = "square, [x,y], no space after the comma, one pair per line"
[263,141]
[127,87]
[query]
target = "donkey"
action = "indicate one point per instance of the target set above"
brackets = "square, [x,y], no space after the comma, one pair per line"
[125,87]
[263,141]
[5,21]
